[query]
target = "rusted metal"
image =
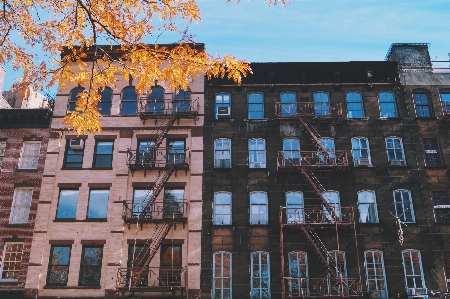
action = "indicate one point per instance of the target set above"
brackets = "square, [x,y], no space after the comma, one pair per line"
[163,108]
[299,287]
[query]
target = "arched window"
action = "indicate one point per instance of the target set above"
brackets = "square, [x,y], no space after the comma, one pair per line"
[403,205]
[354,105]
[295,207]
[105,101]
[412,266]
[334,201]
[129,101]
[361,151]
[394,150]
[222,208]
[298,268]
[288,107]
[222,105]
[422,103]
[73,97]
[257,153]
[291,152]
[222,274]
[255,106]
[182,101]
[222,153]
[387,104]
[367,207]
[258,208]
[321,104]
[260,275]
[376,277]
[156,101]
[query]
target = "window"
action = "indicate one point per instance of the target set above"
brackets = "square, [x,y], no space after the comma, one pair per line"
[98,204]
[141,198]
[140,253]
[255,106]
[258,208]
[260,275]
[222,208]
[21,204]
[321,104]
[334,201]
[328,144]
[105,101]
[222,107]
[222,153]
[257,153]
[295,207]
[441,206]
[367,205]
[222,275]
[176,151]
[403,205]
[376,278]
[67,205]
[10,265]
[145,156]
[173,204]
[394,149]
[288,104]
[156,101]
[91,266]
[361,152]
[387,104]
[129,101]
[171,265]
[291,152]
[58,267]
[73,97]
[422,105]
[445,98]
[182,101]
[354,105]
[103,154]
[337,260]
[2,152]
[412,265]
[432,155]
[298,268]
[74,153]
[30,155]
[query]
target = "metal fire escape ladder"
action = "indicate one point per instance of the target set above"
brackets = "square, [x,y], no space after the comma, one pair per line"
[321,250]
[315,137]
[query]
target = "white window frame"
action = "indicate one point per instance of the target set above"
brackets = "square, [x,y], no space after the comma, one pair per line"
[222,199]
[26,157]
[368,204]
[417,279]
[255,104]
[20,207]
[2,152]
[256,155]
[258,201]
[386,102]
[221,153]
[347,97]
[220,101]
[219,292]
[334,202]
[357,151]
[291,152]
[405,204]
[379,280]
[259,274]
[295,207]
[298,286]
[12,260]
[395,150]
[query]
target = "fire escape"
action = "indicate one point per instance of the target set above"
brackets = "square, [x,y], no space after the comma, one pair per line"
[163,162]
[315,221]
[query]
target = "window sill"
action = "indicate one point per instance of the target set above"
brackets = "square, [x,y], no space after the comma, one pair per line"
[256,119]
[222,225]
[223,168]
[358,118]
[257,168]
[9,281]
[426,118]
[71,168]
[80,220]
[16,224]
[71,287]
[435,167]
[390,118]
[100,168]
[26,169]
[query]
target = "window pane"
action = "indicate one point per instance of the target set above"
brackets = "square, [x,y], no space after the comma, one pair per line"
[103,154]
[91,265]
[98,204]
[58,270]
[67,206]
[11,261]
[255,106]
[354,105]
[432,156]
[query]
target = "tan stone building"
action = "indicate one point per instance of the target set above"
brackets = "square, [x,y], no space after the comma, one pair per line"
[120,212]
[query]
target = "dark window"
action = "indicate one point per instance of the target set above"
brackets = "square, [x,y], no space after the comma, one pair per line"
[432,156]
[105,102]
[176,151]
[98,204]
[129,101]
[170,270]
[441,207]
[422,105]
[144,155]
[91,266]
[103,154]
[73,97]
[67,205]
[58,267]
[140,253]
[255,106]
[173,205]
[182,101]
[74,153]
[156,101]
[141,198]
[354,105]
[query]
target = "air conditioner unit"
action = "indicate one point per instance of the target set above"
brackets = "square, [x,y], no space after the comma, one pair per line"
[76,144]
[416,291]
[362,161]
[396,162]
[223,112]
[375,294]
[258,165]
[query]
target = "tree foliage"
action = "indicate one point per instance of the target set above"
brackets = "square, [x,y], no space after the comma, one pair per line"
[78,27]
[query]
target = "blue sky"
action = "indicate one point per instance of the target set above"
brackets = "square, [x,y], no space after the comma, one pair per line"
[317,30]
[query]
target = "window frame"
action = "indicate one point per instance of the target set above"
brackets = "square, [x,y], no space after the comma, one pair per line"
[180,99]
[369,204]
[299,283]
[24,156]
[404,206]
[288,108]
[156,103]
[129,100]
[295,207]
[218,104]
[359,150]
[50,265]
[2,152]
[257,154]
[384,114]
[260,272]
[432,156]
[75,205]
[395,150]
[443,217]
[413,277]
[291,156]
[73,98]
[216,204]
[96,154]
[331,151]
[105,102]
[98,267]
[145,146]
[222,277]
[171,274]
[420,94]
[178,157]
[139,204]
[220,151]
[76,153]
[379,279]
[16,206]
[445,102]
[259,200]
[354,103]
[255,100]
[103,211]
[173,206]
[322,107]
[336,205]
[12,259]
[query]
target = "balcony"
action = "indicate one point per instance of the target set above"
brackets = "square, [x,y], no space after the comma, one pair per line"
[291,160]
[316,216]
[158,212]
[154,279]
[154,109]
[296,287]
[160,159]
[324,112]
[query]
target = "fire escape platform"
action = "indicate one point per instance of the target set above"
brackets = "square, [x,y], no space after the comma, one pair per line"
[317,112]
[151,109]
[288,161]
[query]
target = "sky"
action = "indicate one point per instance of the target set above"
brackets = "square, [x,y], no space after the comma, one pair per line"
[315,30]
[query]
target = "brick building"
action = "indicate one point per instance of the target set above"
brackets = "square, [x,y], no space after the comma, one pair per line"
[120,212]
[327,180]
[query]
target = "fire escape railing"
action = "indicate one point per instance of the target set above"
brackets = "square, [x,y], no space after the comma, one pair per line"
[299,287]
[331,112]
[316,215]
[157,211]
[153,277]
[157,158]
[288,160]
[164,108]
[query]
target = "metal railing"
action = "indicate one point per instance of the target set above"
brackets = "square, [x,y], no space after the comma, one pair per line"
[162,158]
[314,159]
[161,107]
[332,111]
[297,287]
[158,210]
[156,277]
[316,215]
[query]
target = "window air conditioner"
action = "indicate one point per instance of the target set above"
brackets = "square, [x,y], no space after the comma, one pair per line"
[416,291]
[362,161]
[375,294]
[76,144]
[395,162]
[223,112]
